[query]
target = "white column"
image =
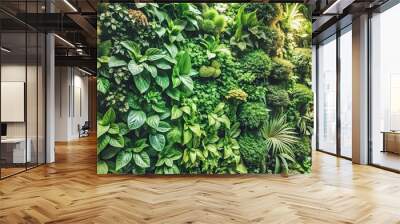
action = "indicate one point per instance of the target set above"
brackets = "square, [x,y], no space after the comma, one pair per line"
[50,101]
[360,90]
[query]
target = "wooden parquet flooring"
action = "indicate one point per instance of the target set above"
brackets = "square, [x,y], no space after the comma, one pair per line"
[69,191]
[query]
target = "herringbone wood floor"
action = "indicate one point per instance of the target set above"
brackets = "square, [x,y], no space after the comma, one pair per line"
[69,191]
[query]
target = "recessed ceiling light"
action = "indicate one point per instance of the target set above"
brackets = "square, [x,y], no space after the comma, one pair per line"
[5,50]
[65,41]
[84,71]
[70,5]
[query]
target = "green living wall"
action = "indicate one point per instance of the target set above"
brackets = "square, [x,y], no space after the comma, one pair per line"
[196,88]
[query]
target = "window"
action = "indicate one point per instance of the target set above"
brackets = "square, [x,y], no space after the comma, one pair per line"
[346,92]
[327,96]
[385,89]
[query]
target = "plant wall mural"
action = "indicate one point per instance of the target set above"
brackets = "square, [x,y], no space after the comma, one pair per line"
[195,88]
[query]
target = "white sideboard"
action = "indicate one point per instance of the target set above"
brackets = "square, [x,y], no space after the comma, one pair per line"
[18,147]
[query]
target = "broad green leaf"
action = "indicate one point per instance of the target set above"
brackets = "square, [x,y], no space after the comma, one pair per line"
[109,153]
[175,169]
[185,157]
[195,129]
[116,62]
[153,54]
[159,107]
[163,127]
[170,59]
[162,81]
[165,115]
[109,117]
[172,49]
[174,155]
[187,81]
[160,31]
[102,167]
[153,121]
[142,82]
[241,168]
[102,85]
[219,107]
[157,141]
[140,5]
[123,128]
[225,120]
[163,65]
[174,94]
[227,152]
[152,69]
[138,170]
[186,110]
[102,143]
[104,48]
[184,63]
[135,68]
[192,156]
[136,119]
[114,129]
[175,112]
[133,102]
[140,145]
[142,159]
[102,129]
[123,158]
[155,57]
[175,77]
[175,135]
[169,162]
[132,47]
[160,162]
[187,136]
[117,141]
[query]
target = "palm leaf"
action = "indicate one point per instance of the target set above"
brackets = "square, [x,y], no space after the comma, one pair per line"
[279,136]
[280,139]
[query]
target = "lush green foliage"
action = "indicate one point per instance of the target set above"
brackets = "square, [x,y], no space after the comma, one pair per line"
[253,150]
[203,88]
[278,98]
[252,114]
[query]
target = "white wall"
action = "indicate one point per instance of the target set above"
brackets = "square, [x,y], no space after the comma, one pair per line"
[314,88]
[71,102]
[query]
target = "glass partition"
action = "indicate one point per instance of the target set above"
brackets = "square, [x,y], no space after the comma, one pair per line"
[22,94]
[346,92]
[327,95]
[385,89]
[13,94]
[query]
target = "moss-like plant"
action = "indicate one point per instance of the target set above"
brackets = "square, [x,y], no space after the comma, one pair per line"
[237,94]
[254,151]
[282,69]
[277,97]
[210,71]
[258,63]
[252,114]
[302,64]
[213,22]
[302,97]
